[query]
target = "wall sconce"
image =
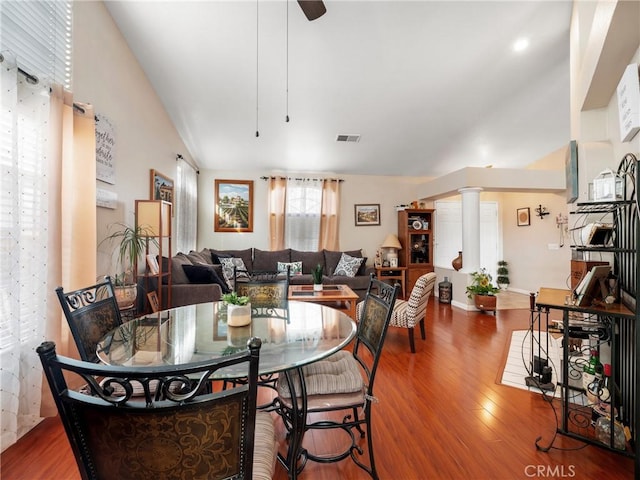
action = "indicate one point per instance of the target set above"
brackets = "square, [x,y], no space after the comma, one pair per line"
[541,211]
[392,244]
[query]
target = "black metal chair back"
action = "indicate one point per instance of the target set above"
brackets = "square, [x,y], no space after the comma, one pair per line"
[266,290]
[181,430]
[91,312]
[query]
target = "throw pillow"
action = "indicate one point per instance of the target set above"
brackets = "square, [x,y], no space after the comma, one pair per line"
[215,257]
[348,266]
[228,265]
[295,268]
[203,273]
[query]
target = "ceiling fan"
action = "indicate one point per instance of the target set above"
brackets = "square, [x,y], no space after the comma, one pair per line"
[312,8]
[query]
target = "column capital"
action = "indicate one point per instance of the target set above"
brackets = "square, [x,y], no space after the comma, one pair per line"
[469,190]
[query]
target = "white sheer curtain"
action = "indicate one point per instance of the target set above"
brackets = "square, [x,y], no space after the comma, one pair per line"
[186,205]
[303,213]
[24,239]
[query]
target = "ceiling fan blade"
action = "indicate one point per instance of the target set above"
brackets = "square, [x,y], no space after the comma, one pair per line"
[312,8]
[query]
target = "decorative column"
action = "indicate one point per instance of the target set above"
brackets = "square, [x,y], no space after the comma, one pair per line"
[470,228]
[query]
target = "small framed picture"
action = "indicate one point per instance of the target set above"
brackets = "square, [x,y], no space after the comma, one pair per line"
[152,263]
[524,217]
[366,215]
[393,262]
[161,187]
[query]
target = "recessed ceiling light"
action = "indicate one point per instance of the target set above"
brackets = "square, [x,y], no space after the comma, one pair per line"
[521,44]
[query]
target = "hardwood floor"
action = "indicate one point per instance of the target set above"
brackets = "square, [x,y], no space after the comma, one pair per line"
[441,416]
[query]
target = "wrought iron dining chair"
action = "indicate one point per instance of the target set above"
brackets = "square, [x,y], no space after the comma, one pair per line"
[343,382]
[91,313]
[180,431]
[409,313]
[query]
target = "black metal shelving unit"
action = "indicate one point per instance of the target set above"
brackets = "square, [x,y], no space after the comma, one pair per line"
[617,326]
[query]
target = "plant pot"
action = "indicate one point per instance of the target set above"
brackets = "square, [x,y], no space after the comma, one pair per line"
[317,287]
[238,315]
[126,295]
[485,302]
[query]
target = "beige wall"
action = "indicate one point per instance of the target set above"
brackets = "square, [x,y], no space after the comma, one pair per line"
[356,189]
[106,74]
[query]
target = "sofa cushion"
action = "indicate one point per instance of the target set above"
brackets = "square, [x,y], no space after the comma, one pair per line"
[204,273]
[228,265]
[295,268]
[246,255]
[264,260]
[198,257]
[206,254]
[177,273]
[348,266]
[332,258]
[309,260]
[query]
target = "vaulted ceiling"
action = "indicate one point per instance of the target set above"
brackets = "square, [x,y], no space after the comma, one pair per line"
[429,86]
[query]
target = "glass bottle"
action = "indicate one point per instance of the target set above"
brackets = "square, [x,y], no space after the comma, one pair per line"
[589,370]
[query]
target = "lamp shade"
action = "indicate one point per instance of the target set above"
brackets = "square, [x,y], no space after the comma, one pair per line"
[154,216]
[392,242]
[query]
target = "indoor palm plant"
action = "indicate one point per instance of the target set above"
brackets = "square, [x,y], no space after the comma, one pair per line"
[131,246]
[482,290]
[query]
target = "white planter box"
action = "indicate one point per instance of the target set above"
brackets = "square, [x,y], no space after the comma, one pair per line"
[238,315]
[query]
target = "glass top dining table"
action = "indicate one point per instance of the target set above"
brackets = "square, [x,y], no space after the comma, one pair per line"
[293,336]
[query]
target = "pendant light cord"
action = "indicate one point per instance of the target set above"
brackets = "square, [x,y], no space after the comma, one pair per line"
[287,107]
[257,69]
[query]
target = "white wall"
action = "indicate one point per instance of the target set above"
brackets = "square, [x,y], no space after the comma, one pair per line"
[107,75]
[356,189]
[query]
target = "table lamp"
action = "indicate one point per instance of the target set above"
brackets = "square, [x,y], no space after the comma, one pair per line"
[392,244]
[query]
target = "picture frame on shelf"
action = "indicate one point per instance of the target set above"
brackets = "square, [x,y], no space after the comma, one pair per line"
[367,214]
[233,210]
[152,263]
[523,216]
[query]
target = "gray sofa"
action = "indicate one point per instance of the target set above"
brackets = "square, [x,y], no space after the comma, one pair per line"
[195,283]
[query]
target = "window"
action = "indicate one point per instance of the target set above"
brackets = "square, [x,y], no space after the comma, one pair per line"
[303,213]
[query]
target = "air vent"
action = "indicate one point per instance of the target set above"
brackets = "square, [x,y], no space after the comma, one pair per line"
[348,138]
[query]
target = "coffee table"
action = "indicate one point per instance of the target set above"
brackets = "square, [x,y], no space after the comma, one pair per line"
[340,297]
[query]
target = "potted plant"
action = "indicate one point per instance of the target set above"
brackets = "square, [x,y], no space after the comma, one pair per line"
[503,275]
[482,291]
[238,309]
[132,244]
[317,273]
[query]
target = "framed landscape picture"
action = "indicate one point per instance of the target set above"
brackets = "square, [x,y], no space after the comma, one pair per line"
[234,206]
[367,214]
[161,187]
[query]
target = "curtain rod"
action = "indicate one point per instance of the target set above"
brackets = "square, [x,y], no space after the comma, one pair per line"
[192,165]
[339,180]
[32,79]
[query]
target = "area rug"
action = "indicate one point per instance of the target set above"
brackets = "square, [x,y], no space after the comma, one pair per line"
[518,359]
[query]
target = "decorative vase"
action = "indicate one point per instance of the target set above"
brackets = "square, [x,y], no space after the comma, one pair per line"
[456,263]
[317,287]
[238,315]
[125,295]
[485,302]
